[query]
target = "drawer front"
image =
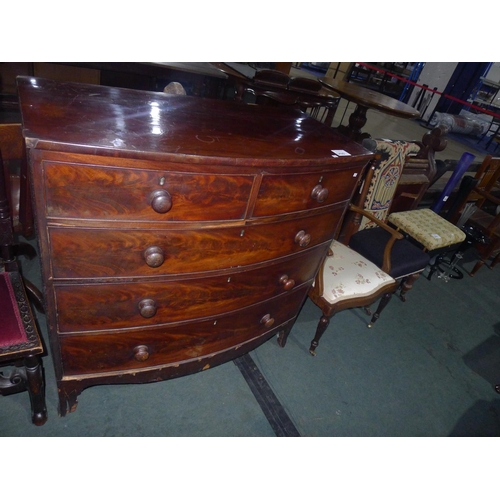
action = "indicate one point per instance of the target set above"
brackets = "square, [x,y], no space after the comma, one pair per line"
[292,193]
[129,305]
[142,348]
[87,253]
[91,192]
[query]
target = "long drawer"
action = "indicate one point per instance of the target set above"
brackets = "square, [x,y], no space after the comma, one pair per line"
[90,253]
[87,307]
[82,191]
[142,348]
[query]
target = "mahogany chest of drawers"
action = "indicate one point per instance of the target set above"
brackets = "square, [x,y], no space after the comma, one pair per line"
[175,232]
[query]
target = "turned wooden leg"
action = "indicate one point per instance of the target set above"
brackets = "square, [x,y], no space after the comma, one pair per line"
[357,120]
[322,326]
[383,302]
[478,266]
[495,261]
[407,285]
[36,389]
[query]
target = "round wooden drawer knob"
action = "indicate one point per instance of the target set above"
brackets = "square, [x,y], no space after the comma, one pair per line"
[319,193]
[161,201]
[147,308]
[154,256]
[141,352]
[267,321]
[302,238]
[287,283]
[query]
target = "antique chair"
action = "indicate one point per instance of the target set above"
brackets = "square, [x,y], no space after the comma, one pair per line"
[20,343]
[425,228]
[364,234]
[481,212]
[348,278]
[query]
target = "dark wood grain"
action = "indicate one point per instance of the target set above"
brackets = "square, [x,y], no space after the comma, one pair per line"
[83,354]
[83,253]
[82,191]
[90,306]
[137,124]
[176,233]
[370,98]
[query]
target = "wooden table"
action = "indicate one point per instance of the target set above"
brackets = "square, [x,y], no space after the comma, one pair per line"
[366,99]
[243,78]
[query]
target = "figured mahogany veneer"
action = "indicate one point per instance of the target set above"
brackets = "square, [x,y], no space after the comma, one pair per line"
[176,233]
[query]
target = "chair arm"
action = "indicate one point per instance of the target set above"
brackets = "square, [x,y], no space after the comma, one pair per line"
[487,195]
[395,235]
[380,223]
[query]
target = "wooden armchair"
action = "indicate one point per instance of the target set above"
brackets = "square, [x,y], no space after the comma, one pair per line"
[423,227]
[20,343]
[368,232]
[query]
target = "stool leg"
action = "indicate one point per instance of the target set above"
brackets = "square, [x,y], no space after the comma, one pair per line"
[36,389]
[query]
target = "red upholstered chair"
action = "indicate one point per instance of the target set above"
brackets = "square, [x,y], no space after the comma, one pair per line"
[20,343]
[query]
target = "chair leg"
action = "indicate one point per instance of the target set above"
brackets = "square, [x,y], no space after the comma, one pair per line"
[36,388]
[476,268]
[322,326]
[407,285]
[495,261]
[383,302]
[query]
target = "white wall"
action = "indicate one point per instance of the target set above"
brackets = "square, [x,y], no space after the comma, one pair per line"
[494,72]
[434,74]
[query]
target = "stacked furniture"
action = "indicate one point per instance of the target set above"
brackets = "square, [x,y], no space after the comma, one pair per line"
[21,347]
[176,233]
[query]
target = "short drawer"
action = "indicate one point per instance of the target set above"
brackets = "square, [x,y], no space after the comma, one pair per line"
[129,305]
[280,194]
[143,348]
[97,253]
[92,192]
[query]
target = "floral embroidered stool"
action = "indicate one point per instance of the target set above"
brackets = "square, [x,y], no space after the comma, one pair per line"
[346,280]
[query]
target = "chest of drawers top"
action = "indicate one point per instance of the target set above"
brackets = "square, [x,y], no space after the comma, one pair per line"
[93,119]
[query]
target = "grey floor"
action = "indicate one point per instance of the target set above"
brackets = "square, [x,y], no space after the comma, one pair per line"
[427,368]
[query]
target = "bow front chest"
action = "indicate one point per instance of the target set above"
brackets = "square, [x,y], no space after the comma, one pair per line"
[175,232]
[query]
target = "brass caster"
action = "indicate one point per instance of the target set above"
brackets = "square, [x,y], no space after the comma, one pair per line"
[370,325]
[313,352]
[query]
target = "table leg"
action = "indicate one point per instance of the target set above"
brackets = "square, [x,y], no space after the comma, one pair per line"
[357,121]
